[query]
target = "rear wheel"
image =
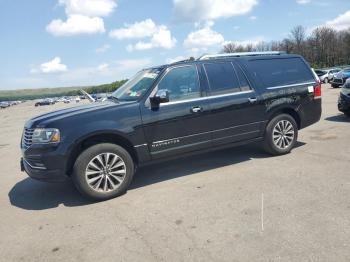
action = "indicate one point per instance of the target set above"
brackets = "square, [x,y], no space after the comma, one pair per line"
[281,135]
[103,171]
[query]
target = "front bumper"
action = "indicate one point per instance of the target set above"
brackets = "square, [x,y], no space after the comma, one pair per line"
[344,103]
[337,82]
[45,163]
[42,174]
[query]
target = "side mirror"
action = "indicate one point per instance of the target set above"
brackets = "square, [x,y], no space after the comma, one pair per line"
[162,96]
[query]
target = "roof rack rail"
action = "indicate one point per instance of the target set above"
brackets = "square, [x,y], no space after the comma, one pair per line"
[227,55]
[185,60]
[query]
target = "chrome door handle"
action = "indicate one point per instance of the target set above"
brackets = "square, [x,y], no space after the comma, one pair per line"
[196,109]
[252,100]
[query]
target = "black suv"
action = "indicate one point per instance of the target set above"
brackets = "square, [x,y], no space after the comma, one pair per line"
[170,111]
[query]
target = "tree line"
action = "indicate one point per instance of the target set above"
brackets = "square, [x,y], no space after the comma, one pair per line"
[28,94]
[323,47]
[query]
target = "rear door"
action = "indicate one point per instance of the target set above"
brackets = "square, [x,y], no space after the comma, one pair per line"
[236,111]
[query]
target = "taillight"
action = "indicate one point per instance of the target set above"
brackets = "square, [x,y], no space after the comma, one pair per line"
[317,90]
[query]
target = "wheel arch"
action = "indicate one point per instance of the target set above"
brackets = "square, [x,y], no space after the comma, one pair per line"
[97,138]
[289,111]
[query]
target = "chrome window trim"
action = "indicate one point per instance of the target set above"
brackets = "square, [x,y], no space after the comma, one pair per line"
[202,133]
[206,97]
[284,86]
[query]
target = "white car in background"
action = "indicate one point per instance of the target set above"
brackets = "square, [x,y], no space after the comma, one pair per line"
[326,75]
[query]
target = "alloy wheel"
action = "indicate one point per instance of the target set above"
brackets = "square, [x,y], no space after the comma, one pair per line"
[283,134]
[105,172]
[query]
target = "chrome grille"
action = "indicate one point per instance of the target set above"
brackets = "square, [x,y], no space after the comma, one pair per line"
[27,137]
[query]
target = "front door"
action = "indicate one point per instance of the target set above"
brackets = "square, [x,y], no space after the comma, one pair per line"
[182,124]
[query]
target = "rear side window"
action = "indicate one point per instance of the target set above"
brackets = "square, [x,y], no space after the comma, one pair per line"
[279,72]
[242,80]
[222,78]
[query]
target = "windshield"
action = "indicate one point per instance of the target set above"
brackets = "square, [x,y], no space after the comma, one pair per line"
[346,70]
[137,85]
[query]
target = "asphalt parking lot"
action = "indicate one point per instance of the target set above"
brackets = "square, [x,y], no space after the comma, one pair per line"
[238,204]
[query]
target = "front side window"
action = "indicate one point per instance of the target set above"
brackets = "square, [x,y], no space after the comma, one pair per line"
[222,78]
[182,83]
[137,85]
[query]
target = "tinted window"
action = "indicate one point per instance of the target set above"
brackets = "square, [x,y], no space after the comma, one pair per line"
[277,72]
[222,78]
[242,80]
[182,83]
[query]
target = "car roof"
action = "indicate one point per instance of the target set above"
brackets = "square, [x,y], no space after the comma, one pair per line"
[222,59]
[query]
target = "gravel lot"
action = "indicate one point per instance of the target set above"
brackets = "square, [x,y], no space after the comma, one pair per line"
[203,208]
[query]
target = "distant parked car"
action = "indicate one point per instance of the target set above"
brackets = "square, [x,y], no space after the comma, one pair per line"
[4,105]
[341,77]
[344,98]
[321,74]
[327,75]
[45,102]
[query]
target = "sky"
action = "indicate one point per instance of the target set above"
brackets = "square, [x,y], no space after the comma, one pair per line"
[56,43]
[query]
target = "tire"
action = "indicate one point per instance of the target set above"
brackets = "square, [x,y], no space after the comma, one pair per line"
[287,139]
[102,184]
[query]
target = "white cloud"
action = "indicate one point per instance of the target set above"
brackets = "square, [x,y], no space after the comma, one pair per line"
[175,59]
[303,2]
[204,37]
[104,73]
[141,29]
[91,8]
[53,66]
[76,24]
[83,17]
[159,35]
[103,48]
[201,10]
[134,63]
[341,22]
[252,41]
[103,67]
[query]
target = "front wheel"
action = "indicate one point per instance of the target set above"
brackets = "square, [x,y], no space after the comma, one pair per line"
[103,171]
[281,135]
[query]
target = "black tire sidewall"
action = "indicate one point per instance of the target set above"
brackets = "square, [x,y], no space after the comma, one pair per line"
[269,145]
[85,157]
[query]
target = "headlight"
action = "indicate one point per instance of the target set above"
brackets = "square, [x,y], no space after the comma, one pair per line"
[46,135]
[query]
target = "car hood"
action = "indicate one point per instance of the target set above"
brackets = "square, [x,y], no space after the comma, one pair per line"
[45,119]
